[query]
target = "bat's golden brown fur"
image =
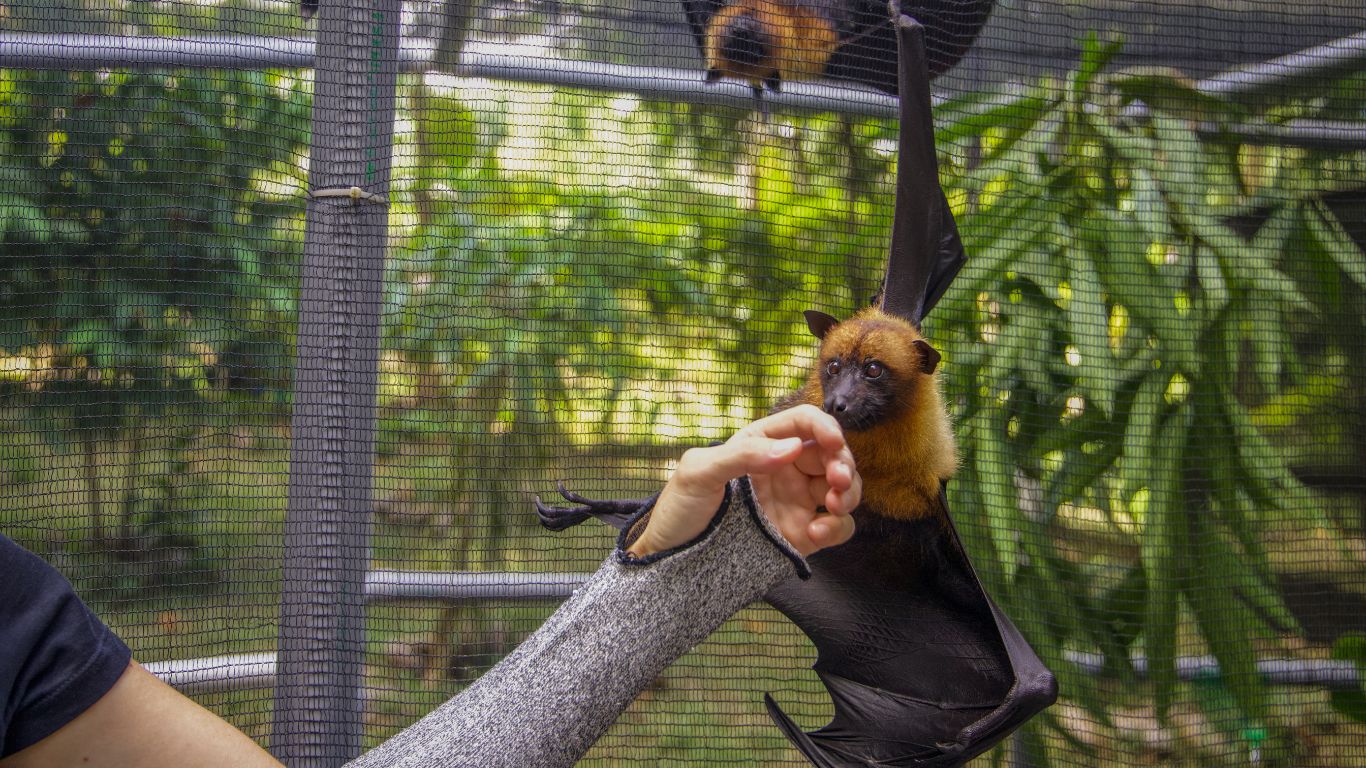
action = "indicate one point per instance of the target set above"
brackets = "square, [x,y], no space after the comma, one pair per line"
[909,450]
[800,39]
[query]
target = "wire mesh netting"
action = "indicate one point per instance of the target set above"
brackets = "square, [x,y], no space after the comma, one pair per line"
[592,260]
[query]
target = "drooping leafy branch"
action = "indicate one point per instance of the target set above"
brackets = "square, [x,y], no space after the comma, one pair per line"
[1132,298]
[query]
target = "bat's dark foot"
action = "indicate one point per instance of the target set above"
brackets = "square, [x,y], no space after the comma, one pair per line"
[614,512]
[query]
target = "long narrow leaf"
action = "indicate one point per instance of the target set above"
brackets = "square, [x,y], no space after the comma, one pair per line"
[1328,232]
[994,468]
[1161,548]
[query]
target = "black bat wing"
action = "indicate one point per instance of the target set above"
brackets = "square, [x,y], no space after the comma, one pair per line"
[921,666]
[868,39]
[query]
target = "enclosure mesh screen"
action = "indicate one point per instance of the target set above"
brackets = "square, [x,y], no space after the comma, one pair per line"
[1153,359]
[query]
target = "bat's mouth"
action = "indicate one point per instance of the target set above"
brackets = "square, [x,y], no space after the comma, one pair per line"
[853,420]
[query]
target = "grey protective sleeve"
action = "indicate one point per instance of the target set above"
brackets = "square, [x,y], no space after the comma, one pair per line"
[550,699]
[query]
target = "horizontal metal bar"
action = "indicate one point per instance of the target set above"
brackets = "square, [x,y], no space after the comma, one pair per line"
[462,585]
[257,670]
[1335,135]
[1345,54]
[234,672]
[100,52]
[1337,57]
[1325,673]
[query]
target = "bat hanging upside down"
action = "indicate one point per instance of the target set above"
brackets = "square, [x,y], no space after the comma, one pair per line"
[769,42]
[923,670]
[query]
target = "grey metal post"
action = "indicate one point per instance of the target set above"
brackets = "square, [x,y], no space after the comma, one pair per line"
[322,612]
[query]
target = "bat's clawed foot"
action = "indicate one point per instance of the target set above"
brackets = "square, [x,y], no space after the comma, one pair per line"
[615,512]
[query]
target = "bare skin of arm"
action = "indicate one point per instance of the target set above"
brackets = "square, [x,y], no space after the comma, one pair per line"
[802,472]
[142,721]
[803,476]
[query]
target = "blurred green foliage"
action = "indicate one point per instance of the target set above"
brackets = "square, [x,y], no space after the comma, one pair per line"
[1139,285]
[149,226]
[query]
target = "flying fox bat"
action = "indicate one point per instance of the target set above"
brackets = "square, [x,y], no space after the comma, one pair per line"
[769,42]
[916,659]
[923,668]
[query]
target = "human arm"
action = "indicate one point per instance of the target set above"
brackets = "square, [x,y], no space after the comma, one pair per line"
[803,475]
[712,549]
[145,723]
[643,609]
[69,694]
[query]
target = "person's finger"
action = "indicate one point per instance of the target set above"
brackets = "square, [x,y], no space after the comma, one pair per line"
[805,421]
[837,467]
[818,490]
[843,498]
[830,530]
[711,468]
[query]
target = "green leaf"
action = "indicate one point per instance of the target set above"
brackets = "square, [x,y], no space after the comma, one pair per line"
[1327,231]
[1213,287]
[1087,322]
[23,222]
[1096,54]
[1151,209]
[1121,609]
[1268,478]
[1352,702]
[1169,91]
[1161,552]
[975,113]
[994,467]
[1226,623]
[1140,434]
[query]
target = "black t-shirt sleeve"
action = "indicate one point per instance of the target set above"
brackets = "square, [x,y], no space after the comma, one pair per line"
[56,657]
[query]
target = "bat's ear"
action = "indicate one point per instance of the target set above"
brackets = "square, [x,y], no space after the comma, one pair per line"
[713,75]
[819,323]
[929,356]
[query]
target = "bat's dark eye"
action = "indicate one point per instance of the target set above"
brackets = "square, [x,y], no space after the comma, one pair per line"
[833,368]
[873,370]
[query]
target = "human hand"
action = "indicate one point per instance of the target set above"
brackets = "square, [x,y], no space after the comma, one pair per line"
[801,470]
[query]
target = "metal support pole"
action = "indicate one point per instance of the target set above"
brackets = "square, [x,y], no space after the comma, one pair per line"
[322,614]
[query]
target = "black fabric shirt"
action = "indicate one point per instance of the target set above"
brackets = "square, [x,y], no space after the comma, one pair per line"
[56,657]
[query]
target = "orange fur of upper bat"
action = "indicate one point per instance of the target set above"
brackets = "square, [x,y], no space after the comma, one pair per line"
[905,456]
[799,41]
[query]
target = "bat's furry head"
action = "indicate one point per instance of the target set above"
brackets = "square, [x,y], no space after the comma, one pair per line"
[744,46]
[767,42]
[871,367]
[741,45]
[876,376]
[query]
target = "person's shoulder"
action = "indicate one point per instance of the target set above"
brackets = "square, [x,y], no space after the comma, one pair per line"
[59,658]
